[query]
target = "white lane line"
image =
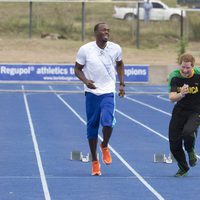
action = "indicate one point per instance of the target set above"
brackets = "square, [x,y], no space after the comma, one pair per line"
[37,152]
[117,154]
[141,124]
[79,88]
[137,122]
[147,105]
[163,98]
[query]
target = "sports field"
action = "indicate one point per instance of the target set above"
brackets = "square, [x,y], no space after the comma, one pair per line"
[39,130]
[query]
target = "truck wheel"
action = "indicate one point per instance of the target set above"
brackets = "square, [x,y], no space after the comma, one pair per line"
[175,18]
[128,17]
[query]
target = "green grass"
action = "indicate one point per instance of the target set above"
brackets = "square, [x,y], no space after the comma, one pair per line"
[66,19]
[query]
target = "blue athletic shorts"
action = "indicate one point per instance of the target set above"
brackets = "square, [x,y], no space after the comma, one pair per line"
[99,109]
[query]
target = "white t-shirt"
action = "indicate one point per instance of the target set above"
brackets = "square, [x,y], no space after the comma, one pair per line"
[99,65]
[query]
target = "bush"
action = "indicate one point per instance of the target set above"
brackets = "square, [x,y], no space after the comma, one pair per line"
[182,46]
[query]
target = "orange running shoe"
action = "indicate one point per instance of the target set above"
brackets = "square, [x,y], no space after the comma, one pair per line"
[96,171]
[106,157]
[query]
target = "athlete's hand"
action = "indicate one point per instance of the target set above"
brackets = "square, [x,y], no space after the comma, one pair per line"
[121,91]
[184,89]
[90,84]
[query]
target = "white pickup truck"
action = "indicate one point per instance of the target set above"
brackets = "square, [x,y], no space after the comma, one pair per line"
[159,12]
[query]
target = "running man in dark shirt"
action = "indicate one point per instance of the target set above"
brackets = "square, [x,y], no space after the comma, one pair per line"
[184,89]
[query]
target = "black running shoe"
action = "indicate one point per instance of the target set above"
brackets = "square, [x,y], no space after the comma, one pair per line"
[192,158]
[181,173]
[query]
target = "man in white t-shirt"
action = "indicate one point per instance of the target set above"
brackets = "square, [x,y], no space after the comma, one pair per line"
[95,67]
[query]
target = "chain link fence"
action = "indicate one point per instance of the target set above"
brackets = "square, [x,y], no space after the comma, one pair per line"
[75,21]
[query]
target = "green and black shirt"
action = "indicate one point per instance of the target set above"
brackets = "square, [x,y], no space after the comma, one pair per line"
[191,101]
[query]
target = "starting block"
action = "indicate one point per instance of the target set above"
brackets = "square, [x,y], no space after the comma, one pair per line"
[78,155]
[172,157]
[159,157]
[162,158]
[88,158]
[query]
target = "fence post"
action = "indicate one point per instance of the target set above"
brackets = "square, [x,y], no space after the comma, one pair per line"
[133,28]
[138,25]
[30,19]
[83,22]
[181,34]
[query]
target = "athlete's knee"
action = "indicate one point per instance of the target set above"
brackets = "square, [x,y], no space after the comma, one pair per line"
[92,136]
[107,120]
[187,132]
[92,132]
[175,145]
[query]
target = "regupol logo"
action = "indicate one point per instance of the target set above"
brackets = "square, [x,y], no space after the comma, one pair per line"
[12,71]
